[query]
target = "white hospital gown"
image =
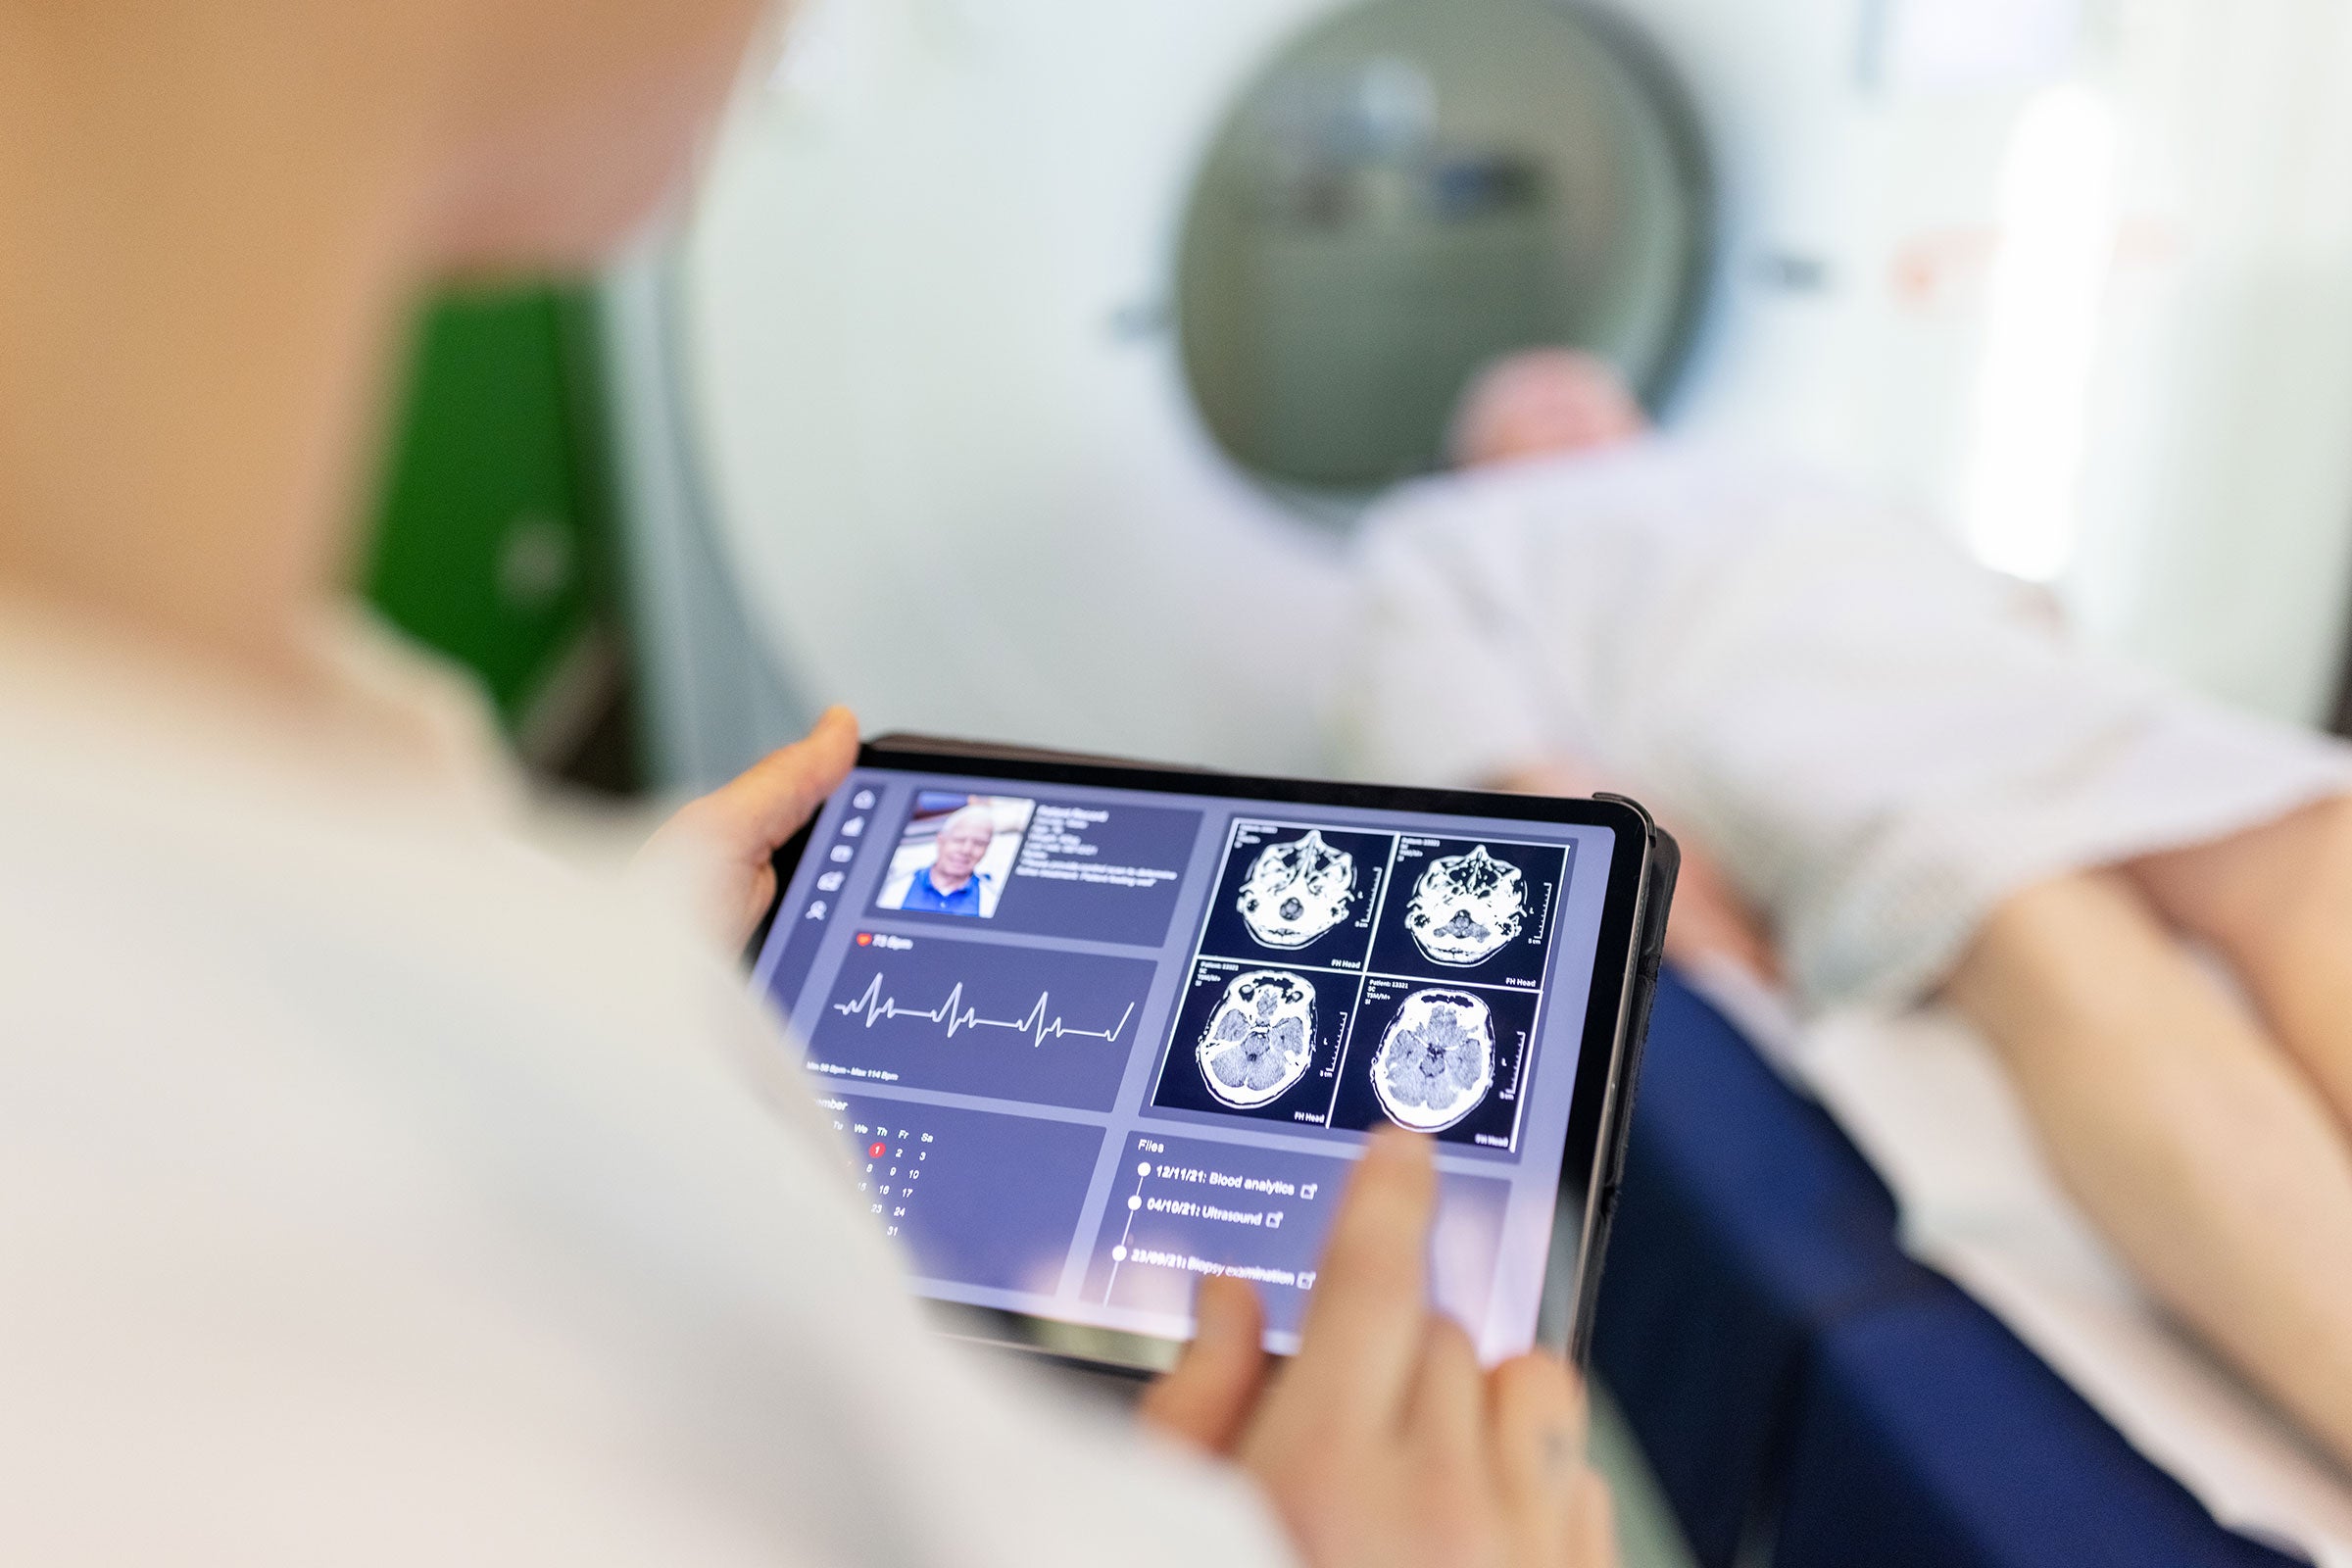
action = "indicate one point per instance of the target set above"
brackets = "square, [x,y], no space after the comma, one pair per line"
[373,1191]
[1878,739]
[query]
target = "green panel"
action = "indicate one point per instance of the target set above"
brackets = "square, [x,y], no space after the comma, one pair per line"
[490,538]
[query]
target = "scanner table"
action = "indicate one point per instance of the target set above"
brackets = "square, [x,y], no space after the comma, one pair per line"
[1801,1385]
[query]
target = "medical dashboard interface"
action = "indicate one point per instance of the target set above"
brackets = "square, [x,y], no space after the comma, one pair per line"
[1090,1046]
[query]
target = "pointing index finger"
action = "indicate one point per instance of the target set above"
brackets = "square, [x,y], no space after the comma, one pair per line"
[1364,1327]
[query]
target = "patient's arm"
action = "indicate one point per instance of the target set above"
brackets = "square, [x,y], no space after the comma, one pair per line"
[1710,922]
[2191,1137]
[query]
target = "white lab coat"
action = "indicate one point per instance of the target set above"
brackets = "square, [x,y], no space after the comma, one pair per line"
[373,1190]
[1878,739]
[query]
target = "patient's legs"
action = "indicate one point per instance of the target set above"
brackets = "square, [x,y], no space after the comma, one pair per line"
[2277,902]
[2190,1138]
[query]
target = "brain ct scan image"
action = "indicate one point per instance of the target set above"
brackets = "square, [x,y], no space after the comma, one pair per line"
[1435,1062]
[1444,1058]
[1303,894]
[1260,1040]
[1467,907]
[1297,891]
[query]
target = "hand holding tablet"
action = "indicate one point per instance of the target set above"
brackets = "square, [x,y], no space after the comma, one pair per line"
[1382,1441]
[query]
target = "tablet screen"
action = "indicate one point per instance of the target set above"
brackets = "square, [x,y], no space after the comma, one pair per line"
[1090,1045]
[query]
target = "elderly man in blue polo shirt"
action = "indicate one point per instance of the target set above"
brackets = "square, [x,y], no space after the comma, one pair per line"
[953,883]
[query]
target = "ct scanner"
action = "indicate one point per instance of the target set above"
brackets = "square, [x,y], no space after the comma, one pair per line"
[932,444]
[1021,363]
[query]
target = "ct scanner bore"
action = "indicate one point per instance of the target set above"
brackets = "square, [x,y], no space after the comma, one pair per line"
[1412,188]
[1009,405]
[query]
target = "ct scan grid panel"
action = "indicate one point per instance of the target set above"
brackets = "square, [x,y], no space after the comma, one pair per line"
[1344,978]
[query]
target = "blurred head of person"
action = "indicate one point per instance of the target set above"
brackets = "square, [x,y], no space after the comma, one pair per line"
[493,134]
[1543,403]
[963,841]
[219,216]
[563,122]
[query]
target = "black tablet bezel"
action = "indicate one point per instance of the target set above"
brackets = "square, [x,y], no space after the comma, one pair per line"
[1632,927]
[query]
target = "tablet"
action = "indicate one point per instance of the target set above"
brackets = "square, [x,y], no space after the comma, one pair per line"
[1094,1031]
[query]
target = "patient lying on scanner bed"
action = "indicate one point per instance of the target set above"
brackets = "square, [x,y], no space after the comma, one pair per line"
[1900,764]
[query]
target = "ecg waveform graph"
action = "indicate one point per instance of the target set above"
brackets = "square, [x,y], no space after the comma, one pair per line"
[953,1015]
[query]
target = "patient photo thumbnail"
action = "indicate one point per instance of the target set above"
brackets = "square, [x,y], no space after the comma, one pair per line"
[955,854]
